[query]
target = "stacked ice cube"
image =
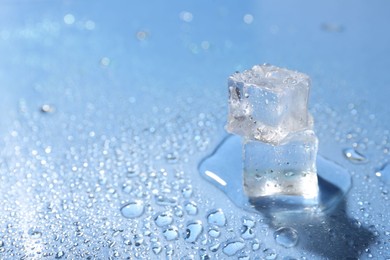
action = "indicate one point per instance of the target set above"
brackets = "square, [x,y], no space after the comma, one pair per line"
[268,108]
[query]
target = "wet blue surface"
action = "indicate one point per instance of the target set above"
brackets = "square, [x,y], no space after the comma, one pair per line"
[138,97]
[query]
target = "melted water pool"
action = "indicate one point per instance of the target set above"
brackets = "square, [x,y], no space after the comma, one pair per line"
[223,168]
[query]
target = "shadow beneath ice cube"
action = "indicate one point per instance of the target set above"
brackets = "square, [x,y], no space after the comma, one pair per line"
[330,234]
[323,228]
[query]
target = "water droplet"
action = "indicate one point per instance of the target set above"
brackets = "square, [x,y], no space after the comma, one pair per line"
[354,156]
[171,157]
[171,233]
[193,231]
[270,254]
[384,173]
[156,247]
[214,248]
[138,239]
[47,108]
[214,232]
[133,209]
[69,19]
[216,217]
[132,171]
[187,191]
[191,208]
[249,222]
[286,236]
[169,251]
[247,232]
[60,254]
[34,233]
[232,247]
[163,219]
[165,201]
[255,245]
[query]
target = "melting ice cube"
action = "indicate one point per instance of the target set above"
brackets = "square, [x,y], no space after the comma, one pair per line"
[267,103]
[268,108]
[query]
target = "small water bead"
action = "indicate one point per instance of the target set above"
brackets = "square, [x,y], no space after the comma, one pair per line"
[255,245]
[270,254]
[178,210]
[171,233]
[214,232]
[232,247]
[247,232]
[138,240]
[156,248]
[193,231]
[133,209]
[187,191]
[47,108]
[249,222]
[60,254]
[191,208]
[214,248]
[384,173]
[354,156]
[163,219]
[163,200]
[169,251]
[132,171]
[216,217]
[34,233]
[171,158]
[286,237]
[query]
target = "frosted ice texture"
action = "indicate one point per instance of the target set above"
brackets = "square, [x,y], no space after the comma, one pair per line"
[268,108]
[267,103]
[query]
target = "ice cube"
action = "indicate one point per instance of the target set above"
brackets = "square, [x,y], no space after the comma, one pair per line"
[285,169]
[266,103]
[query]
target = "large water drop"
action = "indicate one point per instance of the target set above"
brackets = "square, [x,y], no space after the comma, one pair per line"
[232,247]
[216,217]
[133,209]
[286,237]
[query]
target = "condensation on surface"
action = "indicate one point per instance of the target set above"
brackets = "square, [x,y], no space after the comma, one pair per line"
[99,158]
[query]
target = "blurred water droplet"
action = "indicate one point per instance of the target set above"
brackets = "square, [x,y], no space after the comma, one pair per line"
[286,236]
[156,247]
[384,173]
[34,233]
[354,156]
[59,254]
[232,247]
[270,254]
[214,248]
[133,209]
[193,231]
[171,233]
[169,251]
[216,217]
[163,219]
[255,245]
[191,208]
[165,201]
[247,232]
[214,232]
[46,108]
[171,157]
[187,191]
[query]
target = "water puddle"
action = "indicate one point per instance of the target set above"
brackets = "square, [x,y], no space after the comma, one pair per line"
[223,168]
